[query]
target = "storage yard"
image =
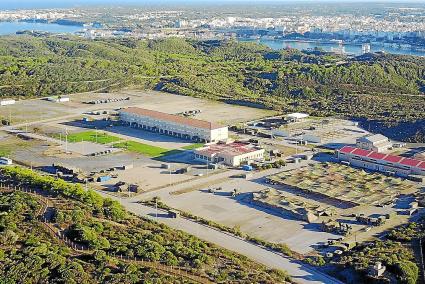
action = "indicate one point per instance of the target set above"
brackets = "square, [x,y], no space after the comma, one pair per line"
[343,183]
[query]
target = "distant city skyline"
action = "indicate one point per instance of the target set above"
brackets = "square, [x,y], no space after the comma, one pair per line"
[36,4]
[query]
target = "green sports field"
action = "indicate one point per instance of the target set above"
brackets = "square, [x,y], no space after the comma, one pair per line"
[91,136]
[148,150]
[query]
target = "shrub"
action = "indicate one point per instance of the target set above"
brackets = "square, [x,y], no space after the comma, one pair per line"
[408,271]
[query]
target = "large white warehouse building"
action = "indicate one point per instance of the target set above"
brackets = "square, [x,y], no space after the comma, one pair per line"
[174,125]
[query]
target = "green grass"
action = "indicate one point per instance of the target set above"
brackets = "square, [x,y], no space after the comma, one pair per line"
[148,150]
[91,136]
[5,152]
[193,146]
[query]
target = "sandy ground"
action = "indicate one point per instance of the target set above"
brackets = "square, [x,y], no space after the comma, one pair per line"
[149,176]
[222,208]
[86,148]
[40,109]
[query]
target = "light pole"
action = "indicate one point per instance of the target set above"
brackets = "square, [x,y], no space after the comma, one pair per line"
[156,208]
[66,140]
[170,173]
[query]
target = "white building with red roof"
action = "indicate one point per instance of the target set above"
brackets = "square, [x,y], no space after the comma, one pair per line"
[372,160]
[232,154]
[174,125]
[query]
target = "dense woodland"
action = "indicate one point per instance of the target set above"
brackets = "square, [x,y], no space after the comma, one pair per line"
[385,92]
[29,254]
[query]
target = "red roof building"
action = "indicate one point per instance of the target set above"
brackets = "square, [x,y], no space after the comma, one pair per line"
[381,162]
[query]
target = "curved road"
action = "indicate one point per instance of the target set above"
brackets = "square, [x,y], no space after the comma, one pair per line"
[300,273]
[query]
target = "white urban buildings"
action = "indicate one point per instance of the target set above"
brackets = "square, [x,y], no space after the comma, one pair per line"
[231,154]
[174,125]
[378,143]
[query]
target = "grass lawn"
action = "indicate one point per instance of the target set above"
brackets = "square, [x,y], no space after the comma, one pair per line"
[193,146]
[91,136]
[5,152]
[148,150]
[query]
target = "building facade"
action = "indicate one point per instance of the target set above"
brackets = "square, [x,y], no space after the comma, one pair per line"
[174,125]
[381,162]
[232,154]
[378,143]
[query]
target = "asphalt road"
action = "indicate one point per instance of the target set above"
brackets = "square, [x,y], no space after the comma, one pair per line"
[300,273]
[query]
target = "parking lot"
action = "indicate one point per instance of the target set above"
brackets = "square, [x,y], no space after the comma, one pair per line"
[28,111]
[256,221]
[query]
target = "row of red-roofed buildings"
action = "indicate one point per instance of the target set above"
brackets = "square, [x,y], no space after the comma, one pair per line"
[387,163]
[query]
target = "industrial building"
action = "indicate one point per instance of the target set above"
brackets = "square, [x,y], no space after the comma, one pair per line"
[231,154]
[378,143]
[174,125]
[387,163]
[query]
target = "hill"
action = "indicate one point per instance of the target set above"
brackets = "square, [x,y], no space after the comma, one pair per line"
[385,92]
[60,233]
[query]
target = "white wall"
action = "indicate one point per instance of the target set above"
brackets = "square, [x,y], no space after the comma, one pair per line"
[7,102]
[209,135]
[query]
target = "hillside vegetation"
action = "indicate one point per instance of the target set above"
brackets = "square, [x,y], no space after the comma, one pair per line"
[385,92]
[114,240]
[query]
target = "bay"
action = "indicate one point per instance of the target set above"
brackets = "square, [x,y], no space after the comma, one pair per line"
[7,28]
[277,44]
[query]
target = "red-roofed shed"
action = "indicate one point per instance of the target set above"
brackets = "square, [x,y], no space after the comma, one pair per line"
[376,156]
[361,152]
[393,159]
[347,149]
[410,162]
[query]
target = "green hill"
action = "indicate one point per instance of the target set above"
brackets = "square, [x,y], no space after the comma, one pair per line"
[104,243]
[385,92]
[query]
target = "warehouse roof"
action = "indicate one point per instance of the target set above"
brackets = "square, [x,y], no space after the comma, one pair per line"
[377,156]
[373,138]
[347,149]
[172,118]
[385,157]
[410,162]
[392,158]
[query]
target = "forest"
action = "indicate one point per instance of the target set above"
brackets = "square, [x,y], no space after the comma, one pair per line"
[112,242]
[384,92]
